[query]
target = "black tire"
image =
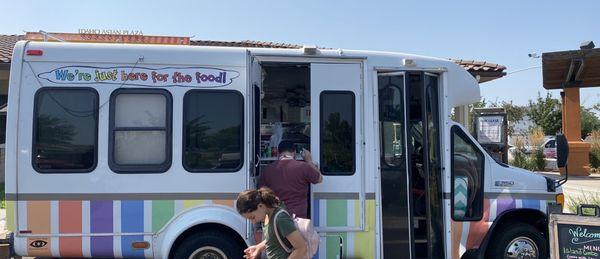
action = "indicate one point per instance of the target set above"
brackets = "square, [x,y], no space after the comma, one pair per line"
[506,236]
[213,242]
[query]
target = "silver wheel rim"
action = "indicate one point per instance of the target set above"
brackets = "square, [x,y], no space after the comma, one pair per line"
[521,248]
[208,252]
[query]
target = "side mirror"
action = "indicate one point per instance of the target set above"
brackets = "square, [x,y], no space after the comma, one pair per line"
[562,150]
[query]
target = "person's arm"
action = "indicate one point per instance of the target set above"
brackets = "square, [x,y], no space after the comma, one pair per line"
[254,251]
[298,243]
[308,159]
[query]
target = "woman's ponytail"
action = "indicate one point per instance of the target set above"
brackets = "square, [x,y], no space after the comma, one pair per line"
[268,198]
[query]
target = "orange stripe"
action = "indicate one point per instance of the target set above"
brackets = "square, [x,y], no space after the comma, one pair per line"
[478,229]
[69,215]
[456,229]
[38,221]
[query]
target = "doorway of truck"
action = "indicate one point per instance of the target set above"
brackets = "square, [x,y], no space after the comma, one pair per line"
[410,165]
[283,109]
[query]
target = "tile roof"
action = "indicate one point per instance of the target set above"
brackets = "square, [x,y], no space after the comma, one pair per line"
[481,66]
[245,43]
[7,43]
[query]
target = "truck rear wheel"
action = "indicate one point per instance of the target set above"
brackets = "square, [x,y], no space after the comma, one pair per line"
[209,245]
[518,240]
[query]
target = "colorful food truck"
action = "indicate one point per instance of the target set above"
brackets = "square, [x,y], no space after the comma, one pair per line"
[130,151]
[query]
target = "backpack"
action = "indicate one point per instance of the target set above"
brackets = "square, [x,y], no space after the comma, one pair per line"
[306,229]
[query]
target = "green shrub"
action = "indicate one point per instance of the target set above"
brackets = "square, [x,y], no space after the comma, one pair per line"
[537,159]
[584,198]
[595,158]
[536,138]
[521,160]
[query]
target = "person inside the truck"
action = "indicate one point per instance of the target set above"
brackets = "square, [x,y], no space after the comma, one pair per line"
[290,179]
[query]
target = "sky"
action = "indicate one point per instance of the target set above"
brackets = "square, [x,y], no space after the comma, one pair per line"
[502,32]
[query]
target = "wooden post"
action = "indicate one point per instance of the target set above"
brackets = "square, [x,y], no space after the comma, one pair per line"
[579,151]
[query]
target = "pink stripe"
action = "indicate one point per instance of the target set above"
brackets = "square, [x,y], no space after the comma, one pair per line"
[478,229]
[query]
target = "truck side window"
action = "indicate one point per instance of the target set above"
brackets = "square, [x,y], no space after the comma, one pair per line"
[140,131]
[337,133]
[467,178]
[213,131]
[65,128]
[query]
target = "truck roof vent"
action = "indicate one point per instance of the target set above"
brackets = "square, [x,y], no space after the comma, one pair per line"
[309,49]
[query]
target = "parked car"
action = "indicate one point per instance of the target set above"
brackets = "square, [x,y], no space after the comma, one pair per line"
[549,148]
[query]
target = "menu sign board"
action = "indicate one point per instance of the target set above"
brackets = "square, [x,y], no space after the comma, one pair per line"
[574,237]
[489,129]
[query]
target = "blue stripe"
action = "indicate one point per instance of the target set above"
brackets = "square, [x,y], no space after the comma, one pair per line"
[531,204]
[315,219]
[132,221]
[127,250]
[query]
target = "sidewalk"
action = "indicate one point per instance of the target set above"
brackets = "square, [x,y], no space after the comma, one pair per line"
[578,187]
[576,184]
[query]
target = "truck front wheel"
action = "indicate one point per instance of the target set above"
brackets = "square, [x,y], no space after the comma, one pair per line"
[518,240]
[209,244]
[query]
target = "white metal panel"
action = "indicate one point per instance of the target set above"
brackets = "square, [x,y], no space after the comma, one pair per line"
[102,179]
[336,77]
[108,53]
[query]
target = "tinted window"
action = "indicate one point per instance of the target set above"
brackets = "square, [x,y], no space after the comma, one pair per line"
[391,117]
[394,194]
[434,179]
[467,178]
[213,131]
[337,133]
[141,130]
[65,130]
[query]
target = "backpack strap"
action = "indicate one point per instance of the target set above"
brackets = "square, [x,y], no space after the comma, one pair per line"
[285,247]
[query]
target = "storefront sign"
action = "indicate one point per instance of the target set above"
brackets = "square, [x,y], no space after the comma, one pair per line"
[202,77]
[111,32]
[108,36]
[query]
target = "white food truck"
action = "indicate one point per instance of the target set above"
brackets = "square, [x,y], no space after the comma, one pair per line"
[117,150]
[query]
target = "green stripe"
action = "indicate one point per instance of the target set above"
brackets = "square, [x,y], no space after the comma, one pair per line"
[162,212]
[10,215]
[337,216]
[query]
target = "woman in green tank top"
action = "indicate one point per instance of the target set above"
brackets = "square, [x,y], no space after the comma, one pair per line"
[260,206]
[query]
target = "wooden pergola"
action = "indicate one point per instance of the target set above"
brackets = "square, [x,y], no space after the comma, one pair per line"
[571,70]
